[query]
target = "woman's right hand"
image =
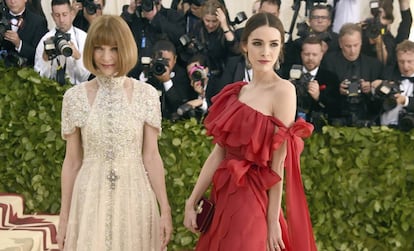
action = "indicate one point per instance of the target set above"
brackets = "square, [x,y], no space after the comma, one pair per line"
[61,234]
[190,217]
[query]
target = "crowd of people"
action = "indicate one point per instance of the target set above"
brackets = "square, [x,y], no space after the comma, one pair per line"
[340,82]
[152,62]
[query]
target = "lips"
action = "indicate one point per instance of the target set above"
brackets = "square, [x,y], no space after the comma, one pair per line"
[263,61]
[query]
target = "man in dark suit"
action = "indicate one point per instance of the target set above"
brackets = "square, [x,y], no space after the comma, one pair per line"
[20,40]
[169,79]
[317,88]
[356,71]
[402,74]
[150,23]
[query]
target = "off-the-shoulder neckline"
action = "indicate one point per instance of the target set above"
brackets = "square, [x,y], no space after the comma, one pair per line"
[271,117]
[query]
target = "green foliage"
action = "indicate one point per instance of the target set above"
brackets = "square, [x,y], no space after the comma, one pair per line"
[31,149]
[360,188]
[359,181]
[184,148]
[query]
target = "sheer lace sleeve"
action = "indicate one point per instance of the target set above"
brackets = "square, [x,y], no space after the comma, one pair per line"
[74,110]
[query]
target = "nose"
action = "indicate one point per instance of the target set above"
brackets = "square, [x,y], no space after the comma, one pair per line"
[107,55]
[266,50]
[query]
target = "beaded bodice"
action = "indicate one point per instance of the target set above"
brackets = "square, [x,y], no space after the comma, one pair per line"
[111,130]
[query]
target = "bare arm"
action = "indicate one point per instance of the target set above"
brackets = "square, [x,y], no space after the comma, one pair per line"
[155,168]
[284,109]
[203,182]
[70,168]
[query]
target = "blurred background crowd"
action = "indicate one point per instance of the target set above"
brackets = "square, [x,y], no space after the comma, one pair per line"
[352,61]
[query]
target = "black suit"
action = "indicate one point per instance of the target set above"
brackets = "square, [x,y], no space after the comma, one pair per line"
[392,73]
[30,32]
[363,108]
[329,93]
[178,94]
[166,24]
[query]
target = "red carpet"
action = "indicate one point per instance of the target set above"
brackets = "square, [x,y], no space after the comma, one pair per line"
[25,232]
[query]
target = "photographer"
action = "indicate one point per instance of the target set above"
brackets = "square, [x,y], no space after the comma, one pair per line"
[216,36]
[168,78]
[59,52]
[316,88]
[320,24]
[403,101]
[149,22]
[20,32]
[377,39]
[86,12]
[192,13]
[198,73]
[355,71]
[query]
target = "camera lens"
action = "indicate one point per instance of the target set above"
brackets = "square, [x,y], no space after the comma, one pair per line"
[197,75]
[159,68]
[147,5]
[184,108]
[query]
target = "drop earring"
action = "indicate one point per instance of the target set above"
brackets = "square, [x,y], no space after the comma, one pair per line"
[248,64]
[277,65]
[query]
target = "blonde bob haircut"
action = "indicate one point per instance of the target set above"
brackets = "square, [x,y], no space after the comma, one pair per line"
[110,30]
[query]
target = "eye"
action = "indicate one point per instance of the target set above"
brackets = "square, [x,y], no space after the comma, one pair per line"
[114,49]
[274,44]
[256,43]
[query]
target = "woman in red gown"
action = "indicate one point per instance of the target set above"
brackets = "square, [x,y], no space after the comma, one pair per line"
[257,141]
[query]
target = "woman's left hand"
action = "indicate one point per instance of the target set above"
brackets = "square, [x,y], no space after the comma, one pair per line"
[222,18]
[166,229]
[274,237]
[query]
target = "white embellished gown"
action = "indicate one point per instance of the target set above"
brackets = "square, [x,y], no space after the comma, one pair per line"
[113,205]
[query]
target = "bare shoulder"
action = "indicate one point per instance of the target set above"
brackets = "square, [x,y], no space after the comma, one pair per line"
[284,88]
[284,101]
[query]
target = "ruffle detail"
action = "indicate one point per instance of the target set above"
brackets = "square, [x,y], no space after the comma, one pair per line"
[250,139]
[236,125]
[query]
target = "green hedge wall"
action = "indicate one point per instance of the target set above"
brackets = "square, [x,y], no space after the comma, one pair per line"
[359,181]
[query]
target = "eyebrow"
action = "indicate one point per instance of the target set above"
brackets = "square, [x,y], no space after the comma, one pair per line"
[258,39]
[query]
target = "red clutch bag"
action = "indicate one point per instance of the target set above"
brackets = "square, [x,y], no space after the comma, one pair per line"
[205,212]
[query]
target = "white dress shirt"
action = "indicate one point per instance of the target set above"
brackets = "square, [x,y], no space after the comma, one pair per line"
[391,117]
[75,69]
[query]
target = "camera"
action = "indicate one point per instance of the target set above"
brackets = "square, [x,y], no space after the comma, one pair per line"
[90,6]
[301,82]
[192,44]
[239,18]
[197,73]
[405,120]
[145,5]
[186,111]
[354,86]
[373,26]
[58,45]
[184,108]
[385,92]
[156,66]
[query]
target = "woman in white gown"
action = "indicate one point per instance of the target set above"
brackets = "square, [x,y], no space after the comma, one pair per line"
[112,174]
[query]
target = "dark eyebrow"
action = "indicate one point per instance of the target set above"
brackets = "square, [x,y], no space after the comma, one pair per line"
[261,40]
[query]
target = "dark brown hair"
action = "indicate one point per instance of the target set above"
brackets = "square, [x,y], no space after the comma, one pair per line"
[263,19]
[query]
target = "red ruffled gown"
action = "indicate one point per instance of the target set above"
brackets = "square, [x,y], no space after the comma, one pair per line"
[241,181]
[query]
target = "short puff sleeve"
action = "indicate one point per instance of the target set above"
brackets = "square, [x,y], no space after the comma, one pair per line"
[151,105]
[74,110]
